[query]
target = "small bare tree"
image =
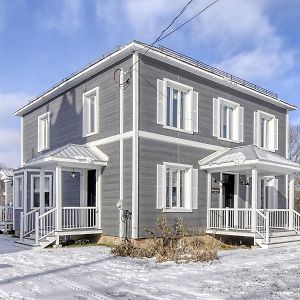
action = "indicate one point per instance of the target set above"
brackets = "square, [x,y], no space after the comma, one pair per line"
[294,154]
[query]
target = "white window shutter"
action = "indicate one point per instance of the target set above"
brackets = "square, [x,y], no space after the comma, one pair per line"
[241,125]
[195,188]
[275,134]
[216,117]
[160,194]
[160,102]
[255,129]
[195,111]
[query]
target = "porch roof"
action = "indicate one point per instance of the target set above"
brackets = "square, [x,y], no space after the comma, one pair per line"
[246,158]
[71,155]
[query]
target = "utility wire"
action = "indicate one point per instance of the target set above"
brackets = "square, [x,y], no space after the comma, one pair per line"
[173,21]
[189,20]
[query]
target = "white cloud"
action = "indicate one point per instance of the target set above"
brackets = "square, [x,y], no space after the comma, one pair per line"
[66,15]
[10,127]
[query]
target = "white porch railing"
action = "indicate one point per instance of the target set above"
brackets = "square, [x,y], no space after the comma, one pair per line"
[279,218]
[262,225]
[27,223]
[79,217]
[45,224]
[296,221]
[6,213]
[230,218]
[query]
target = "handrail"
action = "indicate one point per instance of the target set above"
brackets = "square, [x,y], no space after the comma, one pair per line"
[296,221]
[263,225]
[29,221]
[45,224]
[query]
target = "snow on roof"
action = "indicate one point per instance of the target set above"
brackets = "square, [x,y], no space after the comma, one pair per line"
[6,174]
[249,153]
[74,152]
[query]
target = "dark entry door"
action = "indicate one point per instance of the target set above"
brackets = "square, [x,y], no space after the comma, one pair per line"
[228,184]
[91,196]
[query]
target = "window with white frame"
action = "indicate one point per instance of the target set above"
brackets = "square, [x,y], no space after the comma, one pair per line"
[35,191]
[91,112]
[177,187]
[18,191]
[43,132]
[228,120]
[177,106]
[265,131]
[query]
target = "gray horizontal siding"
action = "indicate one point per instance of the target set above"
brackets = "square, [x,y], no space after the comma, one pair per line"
[153,153]
[151,70]
[66,112]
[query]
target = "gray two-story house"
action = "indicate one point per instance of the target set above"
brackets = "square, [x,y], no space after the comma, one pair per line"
[148,130]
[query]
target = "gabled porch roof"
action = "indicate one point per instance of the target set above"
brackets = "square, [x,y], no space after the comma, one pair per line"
[243,159]
[71,155]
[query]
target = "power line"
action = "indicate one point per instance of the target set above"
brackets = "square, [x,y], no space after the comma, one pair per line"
[189,20]
[173,21]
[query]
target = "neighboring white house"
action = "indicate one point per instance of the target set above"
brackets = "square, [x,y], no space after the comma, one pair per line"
[6,198]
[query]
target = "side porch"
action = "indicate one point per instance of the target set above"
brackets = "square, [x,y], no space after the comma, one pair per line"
[64,197]
[250,193]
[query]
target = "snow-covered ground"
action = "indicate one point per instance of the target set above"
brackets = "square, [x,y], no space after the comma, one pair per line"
[92,273]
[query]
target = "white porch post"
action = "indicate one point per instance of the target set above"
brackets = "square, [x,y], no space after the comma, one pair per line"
[254,198]
[26,201]
[208,198]
[6,184]
[98,197]
[42,191]
[291,200]
[236,198]
[58,197]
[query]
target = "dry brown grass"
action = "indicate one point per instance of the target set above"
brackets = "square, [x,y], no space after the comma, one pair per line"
[167,243]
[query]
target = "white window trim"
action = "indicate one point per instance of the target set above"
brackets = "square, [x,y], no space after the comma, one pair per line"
[234,105]
[189,94]
[190,196]
[32,192]
[85,96]
[262,114]
[16,199]
[40,119]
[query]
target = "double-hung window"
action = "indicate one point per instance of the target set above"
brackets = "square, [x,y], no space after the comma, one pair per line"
[18,191]
[265,131]
[177,106]
[35,191]
[43,132]
[177,187]
[228,120]
[91,112]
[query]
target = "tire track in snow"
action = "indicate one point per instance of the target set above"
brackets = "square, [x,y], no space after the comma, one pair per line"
[83,289]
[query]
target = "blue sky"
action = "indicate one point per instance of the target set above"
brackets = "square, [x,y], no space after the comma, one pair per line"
[42,42]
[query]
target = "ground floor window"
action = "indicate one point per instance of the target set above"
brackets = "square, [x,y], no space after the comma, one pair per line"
[18,192]
[177,187]
[35,191]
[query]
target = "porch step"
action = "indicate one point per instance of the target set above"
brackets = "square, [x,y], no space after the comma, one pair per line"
[49,240]
[28,242]
[281,239]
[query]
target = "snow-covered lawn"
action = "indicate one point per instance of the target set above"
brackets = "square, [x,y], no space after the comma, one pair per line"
[92,273]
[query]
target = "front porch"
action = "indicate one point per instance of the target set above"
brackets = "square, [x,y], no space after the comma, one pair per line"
[244,198]
[71,205]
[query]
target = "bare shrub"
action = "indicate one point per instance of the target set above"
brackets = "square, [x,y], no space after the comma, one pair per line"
[177,243]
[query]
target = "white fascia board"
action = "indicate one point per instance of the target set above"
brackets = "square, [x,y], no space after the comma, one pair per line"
[224,81]
[211,156]
[30,106]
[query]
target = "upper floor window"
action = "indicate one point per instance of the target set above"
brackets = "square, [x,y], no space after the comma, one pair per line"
[177,187]
[43,132]
[177,106]
[265,131]
[35,191]
[91,112]
[18,191]
[228,122]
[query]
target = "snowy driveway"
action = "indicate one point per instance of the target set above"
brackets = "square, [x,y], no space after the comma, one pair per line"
[92,273]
